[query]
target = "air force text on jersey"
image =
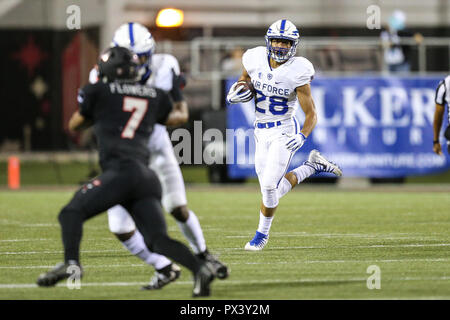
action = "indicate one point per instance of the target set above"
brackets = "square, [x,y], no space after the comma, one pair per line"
[271,89]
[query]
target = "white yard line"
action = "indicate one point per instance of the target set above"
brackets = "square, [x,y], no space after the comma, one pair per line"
[347,246]
[269,248]
[40,225]
[25,240]
[84,267]
[325,235]
[247,263]
[58,252]
[229,282]
[57,239]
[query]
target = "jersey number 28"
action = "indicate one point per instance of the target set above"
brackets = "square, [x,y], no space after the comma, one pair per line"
[138,107]
[275,102]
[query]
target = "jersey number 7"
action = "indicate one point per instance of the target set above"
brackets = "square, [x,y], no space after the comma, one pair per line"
[138,107]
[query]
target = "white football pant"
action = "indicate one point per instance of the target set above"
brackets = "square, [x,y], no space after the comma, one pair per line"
[165,164]
[272,158]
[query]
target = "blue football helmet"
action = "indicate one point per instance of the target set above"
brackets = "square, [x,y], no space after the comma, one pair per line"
[135,37]
[282,29]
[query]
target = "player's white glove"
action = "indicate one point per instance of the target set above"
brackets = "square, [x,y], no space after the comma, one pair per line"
[235,96]
[295,141]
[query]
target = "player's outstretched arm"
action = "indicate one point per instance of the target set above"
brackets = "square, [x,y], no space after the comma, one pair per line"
[307,103]
[77,122]
[437,123]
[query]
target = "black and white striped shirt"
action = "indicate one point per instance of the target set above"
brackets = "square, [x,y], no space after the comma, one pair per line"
[443,94]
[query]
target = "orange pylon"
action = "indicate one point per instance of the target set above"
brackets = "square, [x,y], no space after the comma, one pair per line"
[14,173]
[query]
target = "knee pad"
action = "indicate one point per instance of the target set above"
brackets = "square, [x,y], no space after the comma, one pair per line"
[120,221]
[173,200]
[269,197]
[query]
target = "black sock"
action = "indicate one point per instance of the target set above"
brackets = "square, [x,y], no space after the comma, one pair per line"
[72,229]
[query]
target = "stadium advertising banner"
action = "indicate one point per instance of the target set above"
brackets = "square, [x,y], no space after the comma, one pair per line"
[370,126]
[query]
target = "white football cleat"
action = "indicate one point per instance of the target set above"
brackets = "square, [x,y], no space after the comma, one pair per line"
[258,242]
[320,164]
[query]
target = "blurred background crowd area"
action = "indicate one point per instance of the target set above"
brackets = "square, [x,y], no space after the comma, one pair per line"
[44,62]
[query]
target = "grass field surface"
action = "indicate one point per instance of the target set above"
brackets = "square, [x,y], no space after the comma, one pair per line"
[321,244]
[38,173]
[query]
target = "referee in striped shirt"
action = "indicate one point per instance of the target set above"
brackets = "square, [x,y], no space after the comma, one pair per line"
[442,98]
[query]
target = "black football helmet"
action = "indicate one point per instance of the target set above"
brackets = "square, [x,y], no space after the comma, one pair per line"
[118,64]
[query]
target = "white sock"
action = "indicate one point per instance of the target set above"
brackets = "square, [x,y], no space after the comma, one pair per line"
[284,187]
[264,223]
[136,246]
[193,233]
[303,172]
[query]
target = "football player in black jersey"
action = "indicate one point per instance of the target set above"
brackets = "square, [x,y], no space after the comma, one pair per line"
[123,113]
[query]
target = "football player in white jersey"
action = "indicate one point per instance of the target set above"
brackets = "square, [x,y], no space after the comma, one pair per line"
[442,98]
[281,82]
[161,71]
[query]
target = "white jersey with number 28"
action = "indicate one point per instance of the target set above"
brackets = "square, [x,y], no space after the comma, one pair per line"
[276,98]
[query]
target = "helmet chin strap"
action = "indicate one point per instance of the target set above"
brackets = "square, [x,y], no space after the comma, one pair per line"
[145,71]
[146,75]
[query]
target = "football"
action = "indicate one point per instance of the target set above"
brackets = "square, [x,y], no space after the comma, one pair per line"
[244,86]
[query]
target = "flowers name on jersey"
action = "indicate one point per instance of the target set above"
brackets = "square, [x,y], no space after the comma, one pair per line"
[275,89]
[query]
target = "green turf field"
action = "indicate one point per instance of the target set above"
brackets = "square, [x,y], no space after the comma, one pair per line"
[38,173]
[322,241]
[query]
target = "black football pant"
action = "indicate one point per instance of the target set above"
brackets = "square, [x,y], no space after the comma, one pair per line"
[136,188]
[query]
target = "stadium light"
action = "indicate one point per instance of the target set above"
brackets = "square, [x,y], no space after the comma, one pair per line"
[169,17]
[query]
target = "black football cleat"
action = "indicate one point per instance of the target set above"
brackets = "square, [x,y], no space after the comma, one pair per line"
[221,270]
[60,272]
[163,277]
[202,281]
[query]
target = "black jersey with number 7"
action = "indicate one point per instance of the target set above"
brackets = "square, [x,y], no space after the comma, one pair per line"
[123,115]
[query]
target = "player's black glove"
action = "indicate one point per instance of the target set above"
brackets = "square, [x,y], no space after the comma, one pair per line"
[178,83]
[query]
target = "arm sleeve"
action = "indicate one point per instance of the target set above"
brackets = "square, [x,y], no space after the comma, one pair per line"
[87,97]
[164,107]
[305,73]
[440,93]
